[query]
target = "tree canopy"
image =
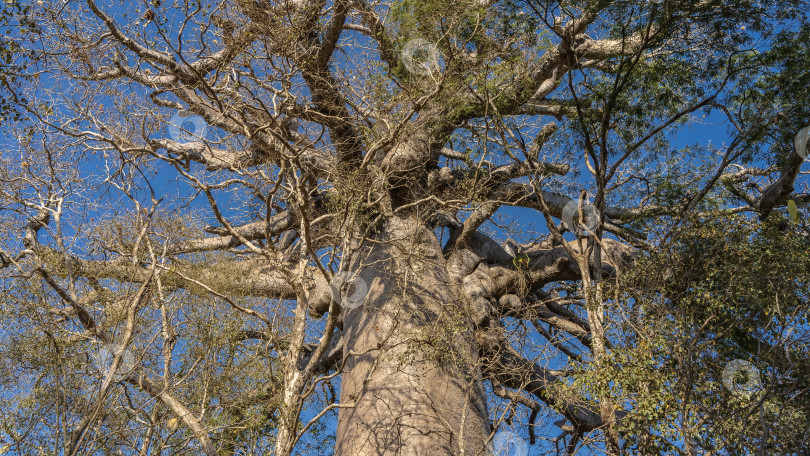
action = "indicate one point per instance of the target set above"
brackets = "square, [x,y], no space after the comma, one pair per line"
[372,227]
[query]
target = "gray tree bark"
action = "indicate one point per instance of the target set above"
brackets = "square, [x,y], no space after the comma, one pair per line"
[412,384]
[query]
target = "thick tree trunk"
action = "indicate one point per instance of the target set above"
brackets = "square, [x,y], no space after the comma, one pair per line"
[412,385]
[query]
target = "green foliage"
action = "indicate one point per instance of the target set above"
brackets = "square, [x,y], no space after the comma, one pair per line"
[721,289]
[13,59]
[794,212]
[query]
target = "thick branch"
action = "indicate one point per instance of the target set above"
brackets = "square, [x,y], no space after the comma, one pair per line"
[505,365]
[277,224]
[780,190]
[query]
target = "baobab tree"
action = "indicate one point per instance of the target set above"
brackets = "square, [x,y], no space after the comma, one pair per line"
[230,223]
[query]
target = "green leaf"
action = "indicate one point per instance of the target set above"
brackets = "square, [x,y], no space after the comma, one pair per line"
[794,213]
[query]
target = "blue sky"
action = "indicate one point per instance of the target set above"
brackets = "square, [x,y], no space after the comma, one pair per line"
[712,131]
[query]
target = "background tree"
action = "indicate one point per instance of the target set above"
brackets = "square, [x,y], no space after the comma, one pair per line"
[17,29]
[237,227]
